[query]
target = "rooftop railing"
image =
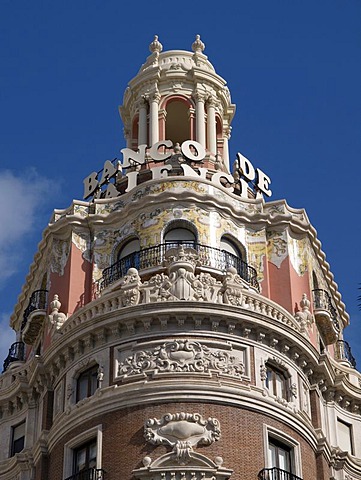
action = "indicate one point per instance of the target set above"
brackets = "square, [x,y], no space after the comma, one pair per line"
[322,300]
[16,354]
[276,474]
[344,352]
[89,474]
[155,256]
[38,301]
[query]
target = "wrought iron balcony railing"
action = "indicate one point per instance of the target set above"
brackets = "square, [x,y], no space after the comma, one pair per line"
[322,301]
[89,474]
[154,256]
[16,354]
[276,474]
[343,352]
[38,301]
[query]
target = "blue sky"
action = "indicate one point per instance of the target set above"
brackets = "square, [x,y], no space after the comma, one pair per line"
[294,72]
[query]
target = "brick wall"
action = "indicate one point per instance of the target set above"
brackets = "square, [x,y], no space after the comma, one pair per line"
[241,443]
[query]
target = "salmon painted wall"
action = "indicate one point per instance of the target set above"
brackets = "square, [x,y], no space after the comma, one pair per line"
[286,286]
[74,287]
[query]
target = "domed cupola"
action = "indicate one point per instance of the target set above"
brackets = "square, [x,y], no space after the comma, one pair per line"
[177,95]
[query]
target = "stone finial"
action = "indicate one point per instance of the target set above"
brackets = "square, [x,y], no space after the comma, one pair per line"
[155,46]
[198,46]
[55,304]
[305,303]
[305,317]
[100,375]
[56,318]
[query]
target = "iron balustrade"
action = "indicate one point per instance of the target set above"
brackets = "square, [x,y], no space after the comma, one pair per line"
[88,474]
[276,474]
[322,300]
[155,256]
[38,301]
[16,354]
[344,352]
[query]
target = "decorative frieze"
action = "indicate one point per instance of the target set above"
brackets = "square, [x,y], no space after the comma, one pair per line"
[181,356]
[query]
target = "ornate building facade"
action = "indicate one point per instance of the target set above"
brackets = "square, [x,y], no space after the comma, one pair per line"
[174,325]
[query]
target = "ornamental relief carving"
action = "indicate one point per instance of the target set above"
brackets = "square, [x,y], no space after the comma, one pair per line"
[59,256]
[181,356]
[182,431]
[181,282]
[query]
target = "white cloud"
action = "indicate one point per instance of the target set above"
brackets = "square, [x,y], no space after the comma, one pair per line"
[20,200]
[21,203]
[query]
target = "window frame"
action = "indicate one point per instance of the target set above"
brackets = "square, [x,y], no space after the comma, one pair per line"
[285,377]
[87,446]
[272,433]
[236,245]
[83,438]
[12,443]
[180,224]
[123,245]
[88,371]
[350,435]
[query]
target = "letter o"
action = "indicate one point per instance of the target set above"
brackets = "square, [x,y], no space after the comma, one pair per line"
[201,152]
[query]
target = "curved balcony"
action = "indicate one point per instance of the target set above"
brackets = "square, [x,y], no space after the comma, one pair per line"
[276,474]
[154,257]
[343,352]
[325,315]
[16,354]
[34,315]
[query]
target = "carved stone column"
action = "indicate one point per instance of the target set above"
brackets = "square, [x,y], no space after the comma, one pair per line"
[226,137]
[128,137]
[200,119]
[211,126]
[142,131]
[191,118]
[153,124]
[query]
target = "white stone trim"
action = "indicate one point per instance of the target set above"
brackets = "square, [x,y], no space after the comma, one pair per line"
[95,432]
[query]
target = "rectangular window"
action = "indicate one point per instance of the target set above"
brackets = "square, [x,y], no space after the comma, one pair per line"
[276,382]
[282,456]
[87,383]
[344,436]
[17,438]
[83,456]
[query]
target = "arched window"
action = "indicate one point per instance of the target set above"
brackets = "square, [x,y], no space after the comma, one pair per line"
[219,133]
[315,281]
[128,248]
[233,256]
[229,246]
[128,256]
[177,125]
[180,233]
